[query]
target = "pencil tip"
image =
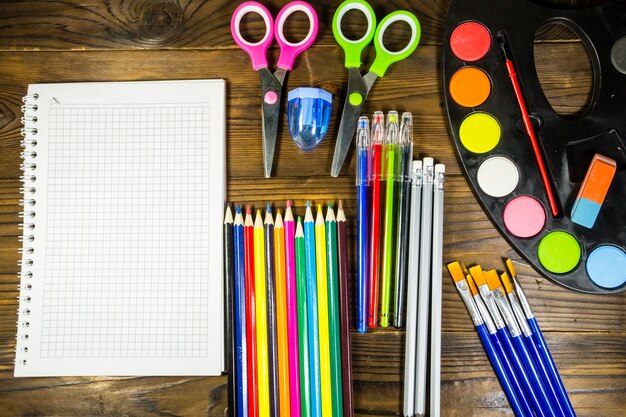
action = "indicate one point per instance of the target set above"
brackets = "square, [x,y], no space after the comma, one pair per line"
[340,204]
[308,203]
[248,209]
[238,209]
[319,207]
[269,208]
[288,203]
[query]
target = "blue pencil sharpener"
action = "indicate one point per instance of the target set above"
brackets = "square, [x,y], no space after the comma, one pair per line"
[308,116]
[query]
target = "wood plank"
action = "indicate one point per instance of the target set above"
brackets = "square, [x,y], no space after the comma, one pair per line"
[168,24]
[593,370]
[190,24]
[468,237]
[412,85]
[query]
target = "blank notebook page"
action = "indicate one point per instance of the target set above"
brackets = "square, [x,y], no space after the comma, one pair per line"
[126,249]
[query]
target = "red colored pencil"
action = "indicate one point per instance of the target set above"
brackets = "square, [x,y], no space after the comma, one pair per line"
[253,395]
[375,183]
[510,68]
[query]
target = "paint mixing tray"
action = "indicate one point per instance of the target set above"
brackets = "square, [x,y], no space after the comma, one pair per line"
[497,156]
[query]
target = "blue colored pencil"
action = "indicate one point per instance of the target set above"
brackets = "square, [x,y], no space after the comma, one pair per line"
[239,309]
[362,182]
[540,342]
[314,335]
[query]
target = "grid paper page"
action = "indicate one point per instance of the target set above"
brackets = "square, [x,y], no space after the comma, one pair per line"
[128,281]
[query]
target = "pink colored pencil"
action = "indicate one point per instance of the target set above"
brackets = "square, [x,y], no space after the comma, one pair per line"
[292,311]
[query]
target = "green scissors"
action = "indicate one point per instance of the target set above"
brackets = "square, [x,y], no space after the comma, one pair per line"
[358,85]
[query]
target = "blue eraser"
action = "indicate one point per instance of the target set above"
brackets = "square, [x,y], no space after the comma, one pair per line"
[585,212]
[308,116]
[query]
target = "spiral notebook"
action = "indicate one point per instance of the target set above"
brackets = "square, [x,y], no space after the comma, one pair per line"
[124,187]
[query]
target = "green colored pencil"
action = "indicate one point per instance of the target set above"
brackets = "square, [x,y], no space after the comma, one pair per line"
[388,233]
[333,311]
[303,329]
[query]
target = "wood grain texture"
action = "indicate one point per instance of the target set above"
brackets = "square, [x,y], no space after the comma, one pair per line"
[62,41]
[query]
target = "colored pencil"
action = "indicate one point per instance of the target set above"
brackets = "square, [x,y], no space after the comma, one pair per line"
[334,317]
[362,183]
[281,316]
[251,341]
[412,287]
[303,325]
[263,373]
[544,351]
[241,366]
[507,342]
[378,132]
[528,127]
[388,250]
[482,325]
[229,275]
[423,302]
[546,402]
[436,293]
[292,311]
[403,177]
[344,305]
[499,347]
[270,282]
[531,344]
[313,315]
[322,309]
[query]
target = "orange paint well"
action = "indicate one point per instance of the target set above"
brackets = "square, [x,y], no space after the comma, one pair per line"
[470,87]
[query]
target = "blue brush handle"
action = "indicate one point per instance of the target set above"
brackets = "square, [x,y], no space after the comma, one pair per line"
[531,345]
[549,364]
[363,259]
[520,370]
[535,379]
[498,368]
[506,362]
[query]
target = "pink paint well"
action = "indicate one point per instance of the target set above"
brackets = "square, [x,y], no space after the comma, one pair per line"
[470,41]
[524,216]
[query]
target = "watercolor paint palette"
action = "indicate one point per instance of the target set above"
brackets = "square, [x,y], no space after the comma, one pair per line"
[496,153]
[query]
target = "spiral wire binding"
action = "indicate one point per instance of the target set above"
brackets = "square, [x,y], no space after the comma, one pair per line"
[28,190]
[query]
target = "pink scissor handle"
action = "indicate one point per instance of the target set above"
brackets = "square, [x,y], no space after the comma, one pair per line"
[257,50]
[288,50]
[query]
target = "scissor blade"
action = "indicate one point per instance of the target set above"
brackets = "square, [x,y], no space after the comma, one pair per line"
[349,119]
[269,111]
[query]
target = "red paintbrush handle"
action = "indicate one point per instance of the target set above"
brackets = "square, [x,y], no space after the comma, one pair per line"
[533,139]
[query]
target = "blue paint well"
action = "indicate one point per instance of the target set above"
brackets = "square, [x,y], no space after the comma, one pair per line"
[606,266]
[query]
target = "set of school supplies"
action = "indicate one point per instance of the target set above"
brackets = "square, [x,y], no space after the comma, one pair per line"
[512,340]
[289,313]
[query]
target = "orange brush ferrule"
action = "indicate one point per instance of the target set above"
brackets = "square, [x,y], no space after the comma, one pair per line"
[506,282]
[478,275]
[471,284]
[456,272]
[493,281]
[509,266]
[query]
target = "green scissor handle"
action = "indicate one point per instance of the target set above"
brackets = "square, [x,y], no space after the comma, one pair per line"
[385,57]
[354,48]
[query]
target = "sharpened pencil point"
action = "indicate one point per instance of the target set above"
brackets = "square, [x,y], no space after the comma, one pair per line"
[248,209]
[288,203]
[269,208]
[308,203]
[228,216]
[340,204]
[238,209]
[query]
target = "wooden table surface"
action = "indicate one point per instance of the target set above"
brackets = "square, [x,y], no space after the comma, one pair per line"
[70,40]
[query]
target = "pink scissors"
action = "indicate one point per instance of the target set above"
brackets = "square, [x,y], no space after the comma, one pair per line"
[272,83]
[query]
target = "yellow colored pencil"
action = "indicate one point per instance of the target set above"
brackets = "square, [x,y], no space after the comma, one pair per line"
[322,306]
[261,316]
